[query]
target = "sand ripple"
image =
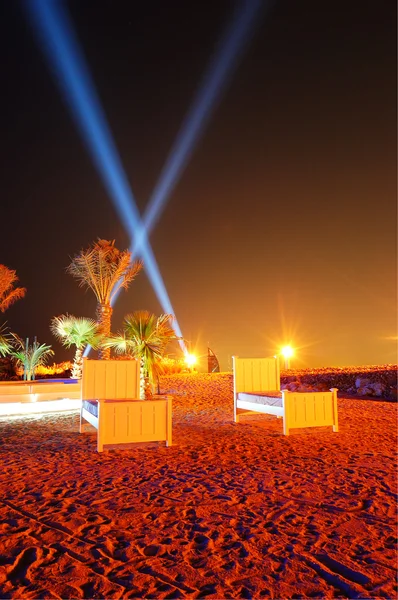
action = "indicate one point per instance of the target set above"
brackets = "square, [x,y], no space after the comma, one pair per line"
[229,511]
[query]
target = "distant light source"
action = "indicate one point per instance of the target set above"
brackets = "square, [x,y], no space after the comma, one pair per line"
[287,352]
[190,360]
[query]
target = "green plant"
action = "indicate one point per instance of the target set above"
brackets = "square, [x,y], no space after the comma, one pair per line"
[30,356]
[105,270]
[6,340]
[79,332]
[146,337]
[8,293]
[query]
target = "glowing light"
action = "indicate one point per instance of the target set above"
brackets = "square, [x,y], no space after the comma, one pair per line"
[287,351]
[190,360]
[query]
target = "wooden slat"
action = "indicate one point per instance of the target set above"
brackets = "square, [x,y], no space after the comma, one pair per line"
[256,374]
[110,379]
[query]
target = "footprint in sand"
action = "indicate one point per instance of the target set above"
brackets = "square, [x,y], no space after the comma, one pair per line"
[19,570]
[207,589]
[198,563]
[201,541]
[151,550]
[189,513]
[228,566]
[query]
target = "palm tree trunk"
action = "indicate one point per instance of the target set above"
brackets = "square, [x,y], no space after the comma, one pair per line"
[104,315]
[77,364]
[142,379]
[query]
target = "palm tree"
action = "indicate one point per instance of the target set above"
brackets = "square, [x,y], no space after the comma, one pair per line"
[30,356]
[8,293]
[146,337]
[79,332]
[105,270]
[6,340]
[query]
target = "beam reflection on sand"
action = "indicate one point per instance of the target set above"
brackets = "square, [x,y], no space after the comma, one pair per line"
[38,407]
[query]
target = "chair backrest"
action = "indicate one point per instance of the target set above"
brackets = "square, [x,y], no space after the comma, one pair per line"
[110,379]
[256,374]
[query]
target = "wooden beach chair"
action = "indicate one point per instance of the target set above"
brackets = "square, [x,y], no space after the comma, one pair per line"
[257,390]
[111,403]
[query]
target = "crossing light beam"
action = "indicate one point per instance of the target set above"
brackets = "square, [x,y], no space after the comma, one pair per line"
[61,49]
[219,72]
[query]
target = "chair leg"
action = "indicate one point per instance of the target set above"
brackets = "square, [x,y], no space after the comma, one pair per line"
[82,424]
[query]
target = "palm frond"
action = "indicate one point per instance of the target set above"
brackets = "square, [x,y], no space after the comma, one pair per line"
[61,327]
[40,354]
[148,337]
[31,356]
[8,293]
[104,269]
[76,331]
[119,343]
[6,340]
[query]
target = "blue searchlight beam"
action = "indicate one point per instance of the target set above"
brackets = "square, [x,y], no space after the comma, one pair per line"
[214,82]
[61,48]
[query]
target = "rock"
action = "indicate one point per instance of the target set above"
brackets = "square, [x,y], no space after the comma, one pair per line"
[365,391]
[293,387]
[361,382]
[378,388]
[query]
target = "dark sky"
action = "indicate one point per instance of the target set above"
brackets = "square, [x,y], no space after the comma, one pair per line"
[283,226]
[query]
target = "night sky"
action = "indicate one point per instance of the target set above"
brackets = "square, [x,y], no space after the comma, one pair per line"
[282,227]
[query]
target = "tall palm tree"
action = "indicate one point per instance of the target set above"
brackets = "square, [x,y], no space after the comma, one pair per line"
[8,293]
[79,332]
[146,337]
[105,270]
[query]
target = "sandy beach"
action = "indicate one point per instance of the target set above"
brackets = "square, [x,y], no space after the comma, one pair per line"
[229,511]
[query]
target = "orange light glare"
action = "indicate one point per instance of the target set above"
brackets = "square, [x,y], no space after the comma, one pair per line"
[287,351]
[190,360]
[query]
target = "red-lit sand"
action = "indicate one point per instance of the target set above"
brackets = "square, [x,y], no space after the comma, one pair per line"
[230,511]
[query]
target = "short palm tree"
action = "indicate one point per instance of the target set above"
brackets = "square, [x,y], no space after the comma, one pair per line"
[145,337]
[8,293]
[79,332]
[30,356]
[105,270]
